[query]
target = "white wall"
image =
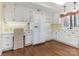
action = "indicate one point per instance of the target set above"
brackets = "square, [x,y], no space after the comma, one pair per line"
[0,26]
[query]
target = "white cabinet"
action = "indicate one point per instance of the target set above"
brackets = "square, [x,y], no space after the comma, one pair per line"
[74,38]
[28,37]
[68,37]
[49,34]
[54,34]
[7,40]
[22,13]
[15,12]
[19,15]
[8,12]
[59,35]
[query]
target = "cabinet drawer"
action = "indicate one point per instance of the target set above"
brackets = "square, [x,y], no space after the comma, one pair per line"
[7,45]
[7,37]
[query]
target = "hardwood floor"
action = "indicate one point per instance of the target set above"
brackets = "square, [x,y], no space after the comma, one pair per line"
[50,48]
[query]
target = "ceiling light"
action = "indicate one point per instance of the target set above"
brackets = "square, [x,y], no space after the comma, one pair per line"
[60,2]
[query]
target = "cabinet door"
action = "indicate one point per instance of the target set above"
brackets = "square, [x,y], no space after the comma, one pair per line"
[54,35]
[28,37]
[59,35]
[74,41]
[49,34]
[20,15]
[69,38]
[36,17]
[8,12]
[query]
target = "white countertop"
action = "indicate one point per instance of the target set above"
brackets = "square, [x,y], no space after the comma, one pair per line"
[7,33]
[75,29]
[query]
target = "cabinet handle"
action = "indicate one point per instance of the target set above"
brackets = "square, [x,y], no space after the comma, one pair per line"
[7,37]
[7,44]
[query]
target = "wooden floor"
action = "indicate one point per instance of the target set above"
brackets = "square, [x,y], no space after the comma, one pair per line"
[51,48]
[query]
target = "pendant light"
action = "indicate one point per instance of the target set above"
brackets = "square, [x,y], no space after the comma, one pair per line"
[64,9]
[74,6]
[74,14]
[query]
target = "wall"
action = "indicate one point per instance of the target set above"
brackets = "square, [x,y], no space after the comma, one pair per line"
[0,26]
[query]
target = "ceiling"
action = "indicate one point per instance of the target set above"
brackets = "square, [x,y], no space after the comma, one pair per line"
[45,6]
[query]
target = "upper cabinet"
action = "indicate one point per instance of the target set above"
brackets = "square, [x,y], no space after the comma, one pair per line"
[19,13]
[15,12]
[8,12]
[22,13]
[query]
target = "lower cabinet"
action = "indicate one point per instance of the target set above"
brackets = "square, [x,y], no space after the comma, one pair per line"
[67,37]
[7,42]
[28,37]
[54,35]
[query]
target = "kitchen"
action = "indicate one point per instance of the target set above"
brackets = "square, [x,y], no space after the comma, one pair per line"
[33,23]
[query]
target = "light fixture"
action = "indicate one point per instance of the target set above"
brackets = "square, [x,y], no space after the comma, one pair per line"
[64,10]
[59,2]
[74,6]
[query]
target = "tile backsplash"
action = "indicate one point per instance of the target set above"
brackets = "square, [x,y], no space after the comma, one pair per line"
[10,27]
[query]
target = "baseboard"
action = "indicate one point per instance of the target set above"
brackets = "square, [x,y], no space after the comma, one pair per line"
[28,44]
